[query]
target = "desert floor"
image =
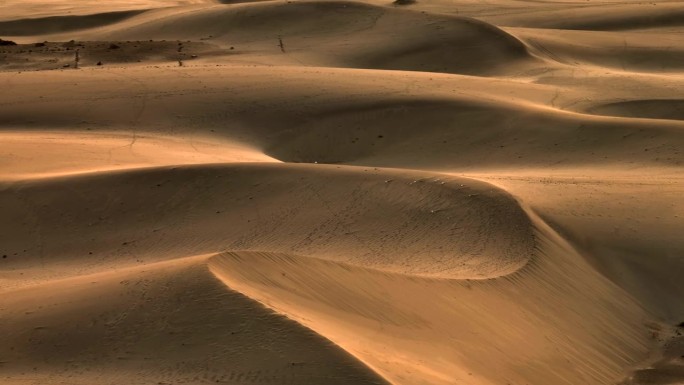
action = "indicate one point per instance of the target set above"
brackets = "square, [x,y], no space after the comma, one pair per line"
[336,192]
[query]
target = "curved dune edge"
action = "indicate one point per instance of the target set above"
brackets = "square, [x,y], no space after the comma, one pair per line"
[464,123]
[342,34]
[162,323]
[61,24]
[393,322]
[566,272]
[663,109]
[412,222]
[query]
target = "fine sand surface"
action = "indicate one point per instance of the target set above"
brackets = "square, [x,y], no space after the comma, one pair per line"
[341,192]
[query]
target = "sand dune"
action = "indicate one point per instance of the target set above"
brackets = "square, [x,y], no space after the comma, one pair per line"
[323,192]
[328,33]
[48,154]
[57,24]
[162,323]
[418,223]
[20,9]
[671,109]
[457,119]
[626,51]
[395,323]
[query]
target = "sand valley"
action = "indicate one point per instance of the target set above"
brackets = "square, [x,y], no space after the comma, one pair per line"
[423,192]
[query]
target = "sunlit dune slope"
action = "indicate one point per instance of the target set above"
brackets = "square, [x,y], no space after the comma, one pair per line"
[341,192]
[353,116]
[162,323]
[424,331]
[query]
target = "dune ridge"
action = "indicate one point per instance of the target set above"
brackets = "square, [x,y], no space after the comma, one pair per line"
[341,192]
[419,223]
[55,24]
[310,32]
[347,311]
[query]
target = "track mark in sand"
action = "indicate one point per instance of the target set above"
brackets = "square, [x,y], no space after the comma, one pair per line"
[134,123]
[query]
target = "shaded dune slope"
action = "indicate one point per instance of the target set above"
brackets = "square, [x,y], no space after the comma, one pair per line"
[19,9]
[338,34]
[454,133]
[454,126]
[591,16]
[163,323]
[411,222]
[629,18]
[60,24]
[651,52]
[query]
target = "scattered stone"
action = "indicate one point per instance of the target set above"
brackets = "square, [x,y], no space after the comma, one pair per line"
[99,63]
[114,46]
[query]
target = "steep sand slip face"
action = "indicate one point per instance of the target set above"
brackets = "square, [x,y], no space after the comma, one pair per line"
[422,331]
[628,228]
[409,222]
[498,198]
[165,323]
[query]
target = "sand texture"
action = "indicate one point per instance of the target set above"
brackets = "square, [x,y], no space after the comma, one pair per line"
[341,192]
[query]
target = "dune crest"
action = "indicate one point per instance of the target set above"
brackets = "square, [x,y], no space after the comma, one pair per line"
[378,317]
[341,192]
[414,223]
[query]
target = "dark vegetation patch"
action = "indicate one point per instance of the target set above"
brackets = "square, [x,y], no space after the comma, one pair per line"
[59,55]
